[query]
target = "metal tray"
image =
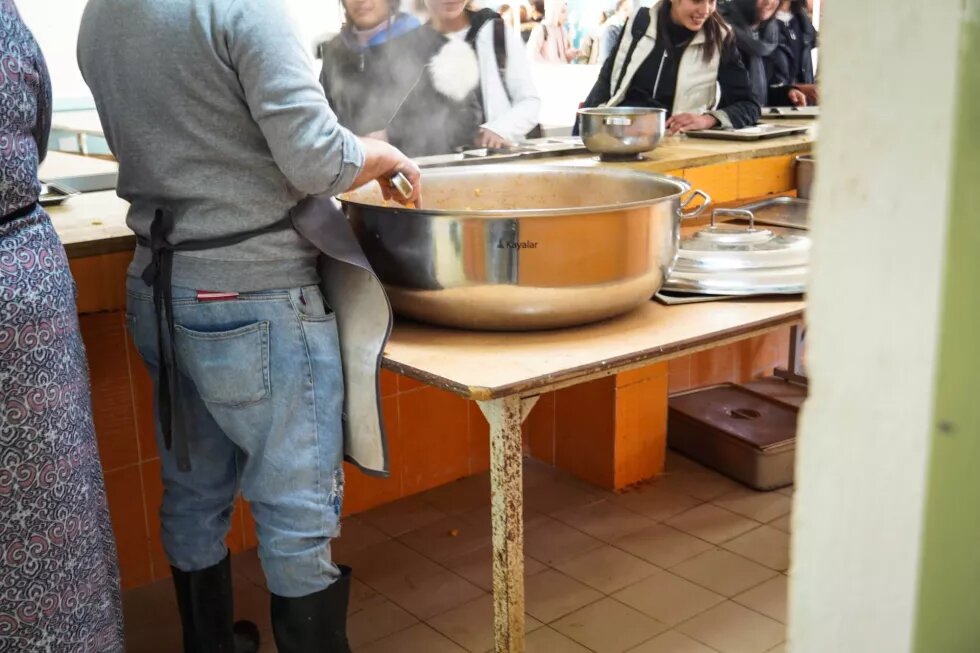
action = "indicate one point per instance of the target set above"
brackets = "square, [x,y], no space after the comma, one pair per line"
[87,183]
[789,212]
[755,133]
[53,194]
[790,112]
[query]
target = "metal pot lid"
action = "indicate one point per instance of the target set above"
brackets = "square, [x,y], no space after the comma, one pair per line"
[782,281]
[726,247]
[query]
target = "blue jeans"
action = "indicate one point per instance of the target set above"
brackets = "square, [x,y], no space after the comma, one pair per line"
[261,399]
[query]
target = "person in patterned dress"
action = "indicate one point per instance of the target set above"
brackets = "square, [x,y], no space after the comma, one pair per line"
[59,579]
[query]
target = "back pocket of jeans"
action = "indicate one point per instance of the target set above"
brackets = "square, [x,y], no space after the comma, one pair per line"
[230,368]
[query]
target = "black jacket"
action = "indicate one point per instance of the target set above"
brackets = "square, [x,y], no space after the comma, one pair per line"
[798,39]
[366,87]
[760,48]
[736,94]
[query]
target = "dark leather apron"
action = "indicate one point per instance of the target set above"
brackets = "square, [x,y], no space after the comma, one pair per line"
[350,287]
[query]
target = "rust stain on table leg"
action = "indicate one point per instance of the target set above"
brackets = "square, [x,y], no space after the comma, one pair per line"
[506,477]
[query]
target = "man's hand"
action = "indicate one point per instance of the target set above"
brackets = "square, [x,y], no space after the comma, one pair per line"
[684,122]
[797,98]
[381,162]
[487,138]
[810,92]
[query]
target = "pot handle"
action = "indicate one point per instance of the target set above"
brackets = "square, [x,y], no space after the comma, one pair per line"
[696,211]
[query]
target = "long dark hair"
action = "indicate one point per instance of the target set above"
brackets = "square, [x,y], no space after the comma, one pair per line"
[717,34]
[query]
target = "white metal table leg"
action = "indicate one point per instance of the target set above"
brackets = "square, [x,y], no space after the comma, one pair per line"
[506,479]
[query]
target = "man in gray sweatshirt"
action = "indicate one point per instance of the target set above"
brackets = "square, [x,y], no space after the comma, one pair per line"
[220,126]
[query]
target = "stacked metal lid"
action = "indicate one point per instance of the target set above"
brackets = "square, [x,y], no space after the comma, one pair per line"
[737,260]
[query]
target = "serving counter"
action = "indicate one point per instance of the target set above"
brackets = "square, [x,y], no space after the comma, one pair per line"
[599,393]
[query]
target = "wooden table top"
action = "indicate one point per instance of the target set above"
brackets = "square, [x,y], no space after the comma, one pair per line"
[78,122]
[482,366]
[62,164]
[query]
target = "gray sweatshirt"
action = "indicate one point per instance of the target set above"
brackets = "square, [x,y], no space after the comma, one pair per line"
[214,109]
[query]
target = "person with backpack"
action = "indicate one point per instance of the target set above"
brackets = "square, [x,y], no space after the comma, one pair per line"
[679,55]
[550,41]
[509,104]
[374,75]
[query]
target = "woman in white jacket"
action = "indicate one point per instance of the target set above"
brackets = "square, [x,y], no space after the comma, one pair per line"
[509,99]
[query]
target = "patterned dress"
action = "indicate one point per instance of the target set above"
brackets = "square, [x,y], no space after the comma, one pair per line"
[59,582]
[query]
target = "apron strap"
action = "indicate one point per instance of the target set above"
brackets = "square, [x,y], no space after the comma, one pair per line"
[159,275]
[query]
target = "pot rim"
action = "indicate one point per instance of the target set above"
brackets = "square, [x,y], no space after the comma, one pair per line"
[683,187]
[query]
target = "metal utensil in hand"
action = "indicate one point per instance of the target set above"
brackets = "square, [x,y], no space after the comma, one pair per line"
[402,185]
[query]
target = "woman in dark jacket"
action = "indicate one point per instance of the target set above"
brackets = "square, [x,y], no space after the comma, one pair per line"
[376,79]
[679,55]
[757,37]
[59,582]
[793,61]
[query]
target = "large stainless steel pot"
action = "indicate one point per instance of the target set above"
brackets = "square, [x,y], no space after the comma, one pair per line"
[523,246]
[622,132]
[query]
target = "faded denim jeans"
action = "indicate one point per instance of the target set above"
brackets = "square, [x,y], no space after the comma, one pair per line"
[261,397]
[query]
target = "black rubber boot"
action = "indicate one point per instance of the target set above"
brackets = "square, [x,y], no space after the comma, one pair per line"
[204,599]
[316,623]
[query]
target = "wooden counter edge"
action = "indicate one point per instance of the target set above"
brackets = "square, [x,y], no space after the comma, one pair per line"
[581,374]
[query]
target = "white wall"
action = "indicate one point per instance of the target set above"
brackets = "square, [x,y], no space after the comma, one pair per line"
[879,219]
[55,26]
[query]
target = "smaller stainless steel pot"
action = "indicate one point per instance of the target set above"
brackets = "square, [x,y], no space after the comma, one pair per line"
[805,166]
[622,132]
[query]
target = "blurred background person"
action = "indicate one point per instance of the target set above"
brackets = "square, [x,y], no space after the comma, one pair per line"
[798,38]
[612,29]
[375,74]
[59,580]
[757,38]
[509,104]
[550,41]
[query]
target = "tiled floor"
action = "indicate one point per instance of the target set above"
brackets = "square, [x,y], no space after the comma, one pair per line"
[694,563]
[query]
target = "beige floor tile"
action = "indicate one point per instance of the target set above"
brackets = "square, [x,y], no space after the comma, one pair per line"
[247,566]
[704,485]
[551,595]
[402,516]
[377,622]
[411,580]
[420,638]
[677,462]
[604,520]
[769,599]
[608,626]
[656,502]
[546,640]
[355,535]
[766,545]
[668,598]
[477,567]
[549,496]
[723,572]
[760,506]
[663,546]
[731,628]
[607,569]
[460,496]
[471,625]
[711,523]
[784,523]
[552,541]
[672,642]
[448,539]
[152,624]
[362,597]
